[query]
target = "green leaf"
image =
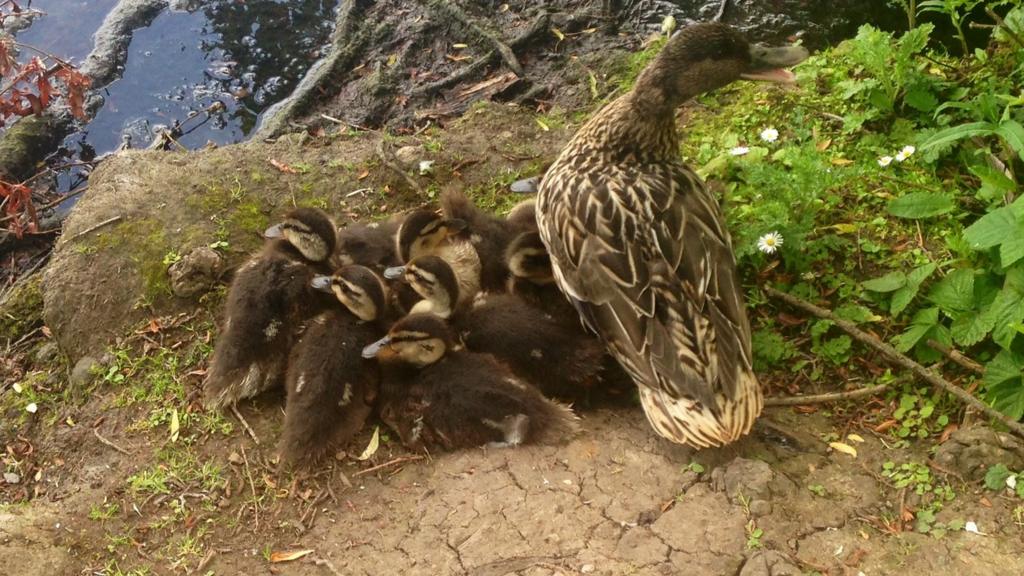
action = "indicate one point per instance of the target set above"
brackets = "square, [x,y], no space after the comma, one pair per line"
[856,313]
[902,297]
[921,99]
[888,283]
[960,132]
[1012,249]
[991,229]
[995,185]
[1013,133]
[1004,385]
[995,478]
[918,205]
[922,323]
[955,293]
[971,328]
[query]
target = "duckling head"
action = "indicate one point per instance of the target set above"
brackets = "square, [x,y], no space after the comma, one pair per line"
[706,56]
[433,279]
[310,231]
[423,231]
[417,340]
[527,258]
[358,288]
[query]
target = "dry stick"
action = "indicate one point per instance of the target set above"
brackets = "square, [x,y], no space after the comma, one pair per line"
[956,356]
[252,486]
[721,11]
[895,357]
[95,228]
[245,424]
[109,443]
[823,398]
[388,159]
[389,463]
[1002,23]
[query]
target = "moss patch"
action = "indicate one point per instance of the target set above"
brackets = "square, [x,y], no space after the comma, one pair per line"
[146,243]
[22,310]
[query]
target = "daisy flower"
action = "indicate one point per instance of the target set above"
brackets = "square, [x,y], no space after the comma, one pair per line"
[769,243]
[905,153]
[885,161]
[769,135]
[739,151]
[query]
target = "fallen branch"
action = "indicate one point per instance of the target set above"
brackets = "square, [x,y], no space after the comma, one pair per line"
[895,357]
[245,424]
[824,398]
[388,159]
[389,463]
[95,228]
[252,486]
[956,356]
[109,443]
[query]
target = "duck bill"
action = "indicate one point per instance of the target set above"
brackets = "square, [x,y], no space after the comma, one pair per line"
[274,231]
[321,283]
[372,350]
[770,63]
[394,273]
[526,185]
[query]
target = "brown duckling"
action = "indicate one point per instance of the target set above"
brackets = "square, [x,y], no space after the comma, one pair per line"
[523,216]
[532,279]
[423,233]
[371,245]
[331,388]
[268,301]
[436,394]
[489,233]
[560,360]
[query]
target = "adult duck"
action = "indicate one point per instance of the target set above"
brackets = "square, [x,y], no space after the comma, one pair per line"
[639,246]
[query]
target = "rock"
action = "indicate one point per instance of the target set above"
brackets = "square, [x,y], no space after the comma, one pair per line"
[409,156]
[11,478]
[971,451]
[749,478]
[196,272]
[84,371]
[760,508]
[47,353]
[769,563]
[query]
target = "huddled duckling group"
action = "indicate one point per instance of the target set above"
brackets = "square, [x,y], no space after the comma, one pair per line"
[476,320]
[417,319]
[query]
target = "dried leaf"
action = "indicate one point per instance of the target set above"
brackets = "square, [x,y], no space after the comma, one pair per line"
[841,161]
[371,448]
[276,557]
[844,448]
[460,46]
[558,34]
[363,174]
[283,167]
[824,144]
[855,438]
[392,59]
[457,58]
[175,425]
[542,125]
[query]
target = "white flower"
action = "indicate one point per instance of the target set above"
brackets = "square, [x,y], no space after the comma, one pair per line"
[1011,481]
[769,135]
[905,153]
[426,167]
[739,151]
[769,243]
[885,161]
[31,408]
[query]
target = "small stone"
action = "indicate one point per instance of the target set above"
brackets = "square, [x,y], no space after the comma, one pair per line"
[84,371]
[11,478]
[760,508]
[32,408]
[587,568]
[196,272]
[408,156]
[47,353]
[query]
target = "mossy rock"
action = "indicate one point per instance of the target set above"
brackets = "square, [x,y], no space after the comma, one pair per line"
[145,209]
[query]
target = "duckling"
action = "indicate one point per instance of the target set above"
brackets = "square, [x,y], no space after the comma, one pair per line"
[331,388]
[436,394]
[560,360]
[268,300]
[638,243]
[532,279]
[523,216]
[424,232]
[489,234]
[371,245]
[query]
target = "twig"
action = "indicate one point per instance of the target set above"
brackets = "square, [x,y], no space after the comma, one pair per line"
[1009,31]
[389,463]
[389,160]
[956,356]
[721,11]
[823,398]
[49,205]
[245,424]
[95,228]
[252,486]
[327,563]
[109,443]
[205,561]
[895,357]
[507,55]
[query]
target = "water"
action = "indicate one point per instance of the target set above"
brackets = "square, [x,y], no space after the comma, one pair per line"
[246,55]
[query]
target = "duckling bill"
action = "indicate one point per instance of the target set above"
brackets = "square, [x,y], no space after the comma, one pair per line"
[435,394]
[639,246]
[267,303]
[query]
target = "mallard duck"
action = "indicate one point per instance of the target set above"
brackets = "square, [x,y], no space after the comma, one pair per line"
[423,233]
[490,235]
[331,388]
[268,301]
[436,394]
[638,244]
[560,360]
[371,245]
